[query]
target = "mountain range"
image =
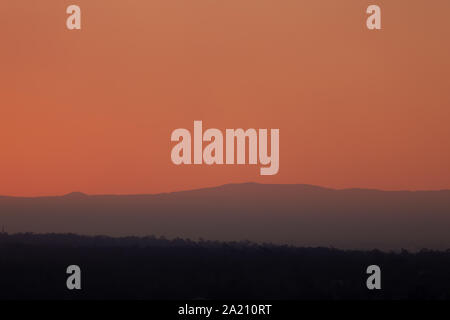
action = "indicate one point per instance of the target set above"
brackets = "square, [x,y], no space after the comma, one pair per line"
[295,214]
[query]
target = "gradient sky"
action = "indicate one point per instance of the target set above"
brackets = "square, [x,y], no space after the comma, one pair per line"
[93,110]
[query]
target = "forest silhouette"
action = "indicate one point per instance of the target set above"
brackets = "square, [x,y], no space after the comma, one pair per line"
[33,266]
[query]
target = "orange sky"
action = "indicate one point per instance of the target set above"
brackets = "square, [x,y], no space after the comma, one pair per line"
[93,110]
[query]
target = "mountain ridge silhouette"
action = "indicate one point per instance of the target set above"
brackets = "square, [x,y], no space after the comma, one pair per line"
[75,194]
[296,214]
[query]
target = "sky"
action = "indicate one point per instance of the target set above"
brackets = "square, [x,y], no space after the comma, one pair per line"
[92,110]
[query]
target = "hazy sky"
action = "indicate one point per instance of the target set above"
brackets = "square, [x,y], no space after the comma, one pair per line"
[93,110]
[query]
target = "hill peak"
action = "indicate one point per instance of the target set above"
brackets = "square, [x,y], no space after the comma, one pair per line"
[75,194]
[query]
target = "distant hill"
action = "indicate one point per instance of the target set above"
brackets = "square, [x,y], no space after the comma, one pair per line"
[75,195]
[302,215]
